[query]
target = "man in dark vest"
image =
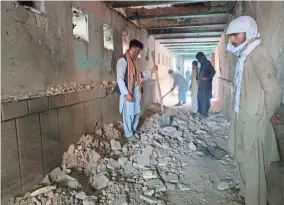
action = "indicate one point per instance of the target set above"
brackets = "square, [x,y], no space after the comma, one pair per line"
[205,77]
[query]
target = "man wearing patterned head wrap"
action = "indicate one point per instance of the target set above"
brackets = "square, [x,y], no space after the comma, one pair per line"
[252,140]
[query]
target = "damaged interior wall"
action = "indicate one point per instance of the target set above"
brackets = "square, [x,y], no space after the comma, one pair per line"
[40,50]
[270,19]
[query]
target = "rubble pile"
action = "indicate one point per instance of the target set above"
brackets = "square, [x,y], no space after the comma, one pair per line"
[123,174]
[56,90]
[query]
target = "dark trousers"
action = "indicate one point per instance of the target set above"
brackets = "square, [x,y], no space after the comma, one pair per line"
[204,105]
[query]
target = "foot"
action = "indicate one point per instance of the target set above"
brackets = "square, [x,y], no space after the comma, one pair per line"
[178,104]
[132,139]
[183,103]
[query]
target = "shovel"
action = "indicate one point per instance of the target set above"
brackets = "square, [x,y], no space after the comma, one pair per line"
[166,94]
[164,120]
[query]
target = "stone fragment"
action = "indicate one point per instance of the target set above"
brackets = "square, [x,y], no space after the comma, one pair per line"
[115,145]
[124,149]
[214,177]
[89,202]
[150,174]
[144,137]
[161,188]
[113,164]
[144,159]
[99,181]
[216,152]
[55,173]
[177,134]
[81,195]
[122,161]
[183,187]
[223,185]
[46,180]
[68,181]
[153,184]
[192,146]
[149,192]
[43,190]
[170,177]
[149,199]
[170,186]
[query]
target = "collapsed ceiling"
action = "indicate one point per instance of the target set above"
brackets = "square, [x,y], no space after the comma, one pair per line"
[184,27]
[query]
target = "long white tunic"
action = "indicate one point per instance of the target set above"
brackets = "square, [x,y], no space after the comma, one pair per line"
[131,108]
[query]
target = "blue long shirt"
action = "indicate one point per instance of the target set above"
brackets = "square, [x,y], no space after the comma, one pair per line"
[131,108]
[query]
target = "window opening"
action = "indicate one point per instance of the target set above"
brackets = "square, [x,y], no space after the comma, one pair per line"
[80,24]
[108,37]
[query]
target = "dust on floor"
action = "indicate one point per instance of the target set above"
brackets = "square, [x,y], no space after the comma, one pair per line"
[185,163]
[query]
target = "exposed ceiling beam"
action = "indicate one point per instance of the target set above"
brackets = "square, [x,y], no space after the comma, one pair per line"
[179,16]
[123,4]
[188,26]
[192,44]
[186,37]
[174,43]
[191,47]
[190,34]
[202,32]
[191,54]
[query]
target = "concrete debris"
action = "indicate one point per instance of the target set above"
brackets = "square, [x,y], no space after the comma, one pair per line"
[144,159]
[192,146]
[233,203]
[150,174]
[43,190]
[149,199]
[183,187]
[99,181]
[170,186]
[223,185]
[68,181]
[115,145]
[150,192]
[54,174]
[147,168]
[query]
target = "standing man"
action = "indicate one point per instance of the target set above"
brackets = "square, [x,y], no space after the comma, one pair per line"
[205,77]
[129,82]
[252,140]
[181,83]
[194,86]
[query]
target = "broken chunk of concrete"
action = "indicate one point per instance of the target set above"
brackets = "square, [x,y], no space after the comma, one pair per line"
[153,184]
[170,186]
[81,195]
[144,159]
[89,202]
[170,177]
[192,146]
[149,192]
[150,174]
[54,174]
[223,185]
[183,187]
[115,145]
[149,199]
[113,164]
[68,181]
[99,181]
[161,188]
[43,190]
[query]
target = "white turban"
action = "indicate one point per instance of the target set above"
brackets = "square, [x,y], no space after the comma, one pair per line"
[248,25]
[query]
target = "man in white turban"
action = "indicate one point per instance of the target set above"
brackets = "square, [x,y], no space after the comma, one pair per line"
[257,96]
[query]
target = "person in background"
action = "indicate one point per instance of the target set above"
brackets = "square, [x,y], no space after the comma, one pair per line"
[129,82]
[181,83]
[194,86]
[205,78]
[257,95]
[187,76]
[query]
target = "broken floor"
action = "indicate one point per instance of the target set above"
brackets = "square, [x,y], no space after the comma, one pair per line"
[183,164]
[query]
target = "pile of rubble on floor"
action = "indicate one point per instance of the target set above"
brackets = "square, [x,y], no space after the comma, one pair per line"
[121,174]
[56,90]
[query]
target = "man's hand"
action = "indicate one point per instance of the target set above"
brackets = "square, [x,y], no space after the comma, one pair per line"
[204,78]
[129,98]
[190,87]
[275,119]
[154,68]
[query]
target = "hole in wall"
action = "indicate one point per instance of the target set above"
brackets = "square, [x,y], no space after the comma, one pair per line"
[34,6]
[80,24]
[108,37]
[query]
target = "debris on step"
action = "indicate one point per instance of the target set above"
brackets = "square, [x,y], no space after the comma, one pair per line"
[149,199]
[42,190]
[183,187]
[99,181]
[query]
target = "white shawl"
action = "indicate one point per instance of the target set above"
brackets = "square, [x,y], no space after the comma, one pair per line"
[248,25]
